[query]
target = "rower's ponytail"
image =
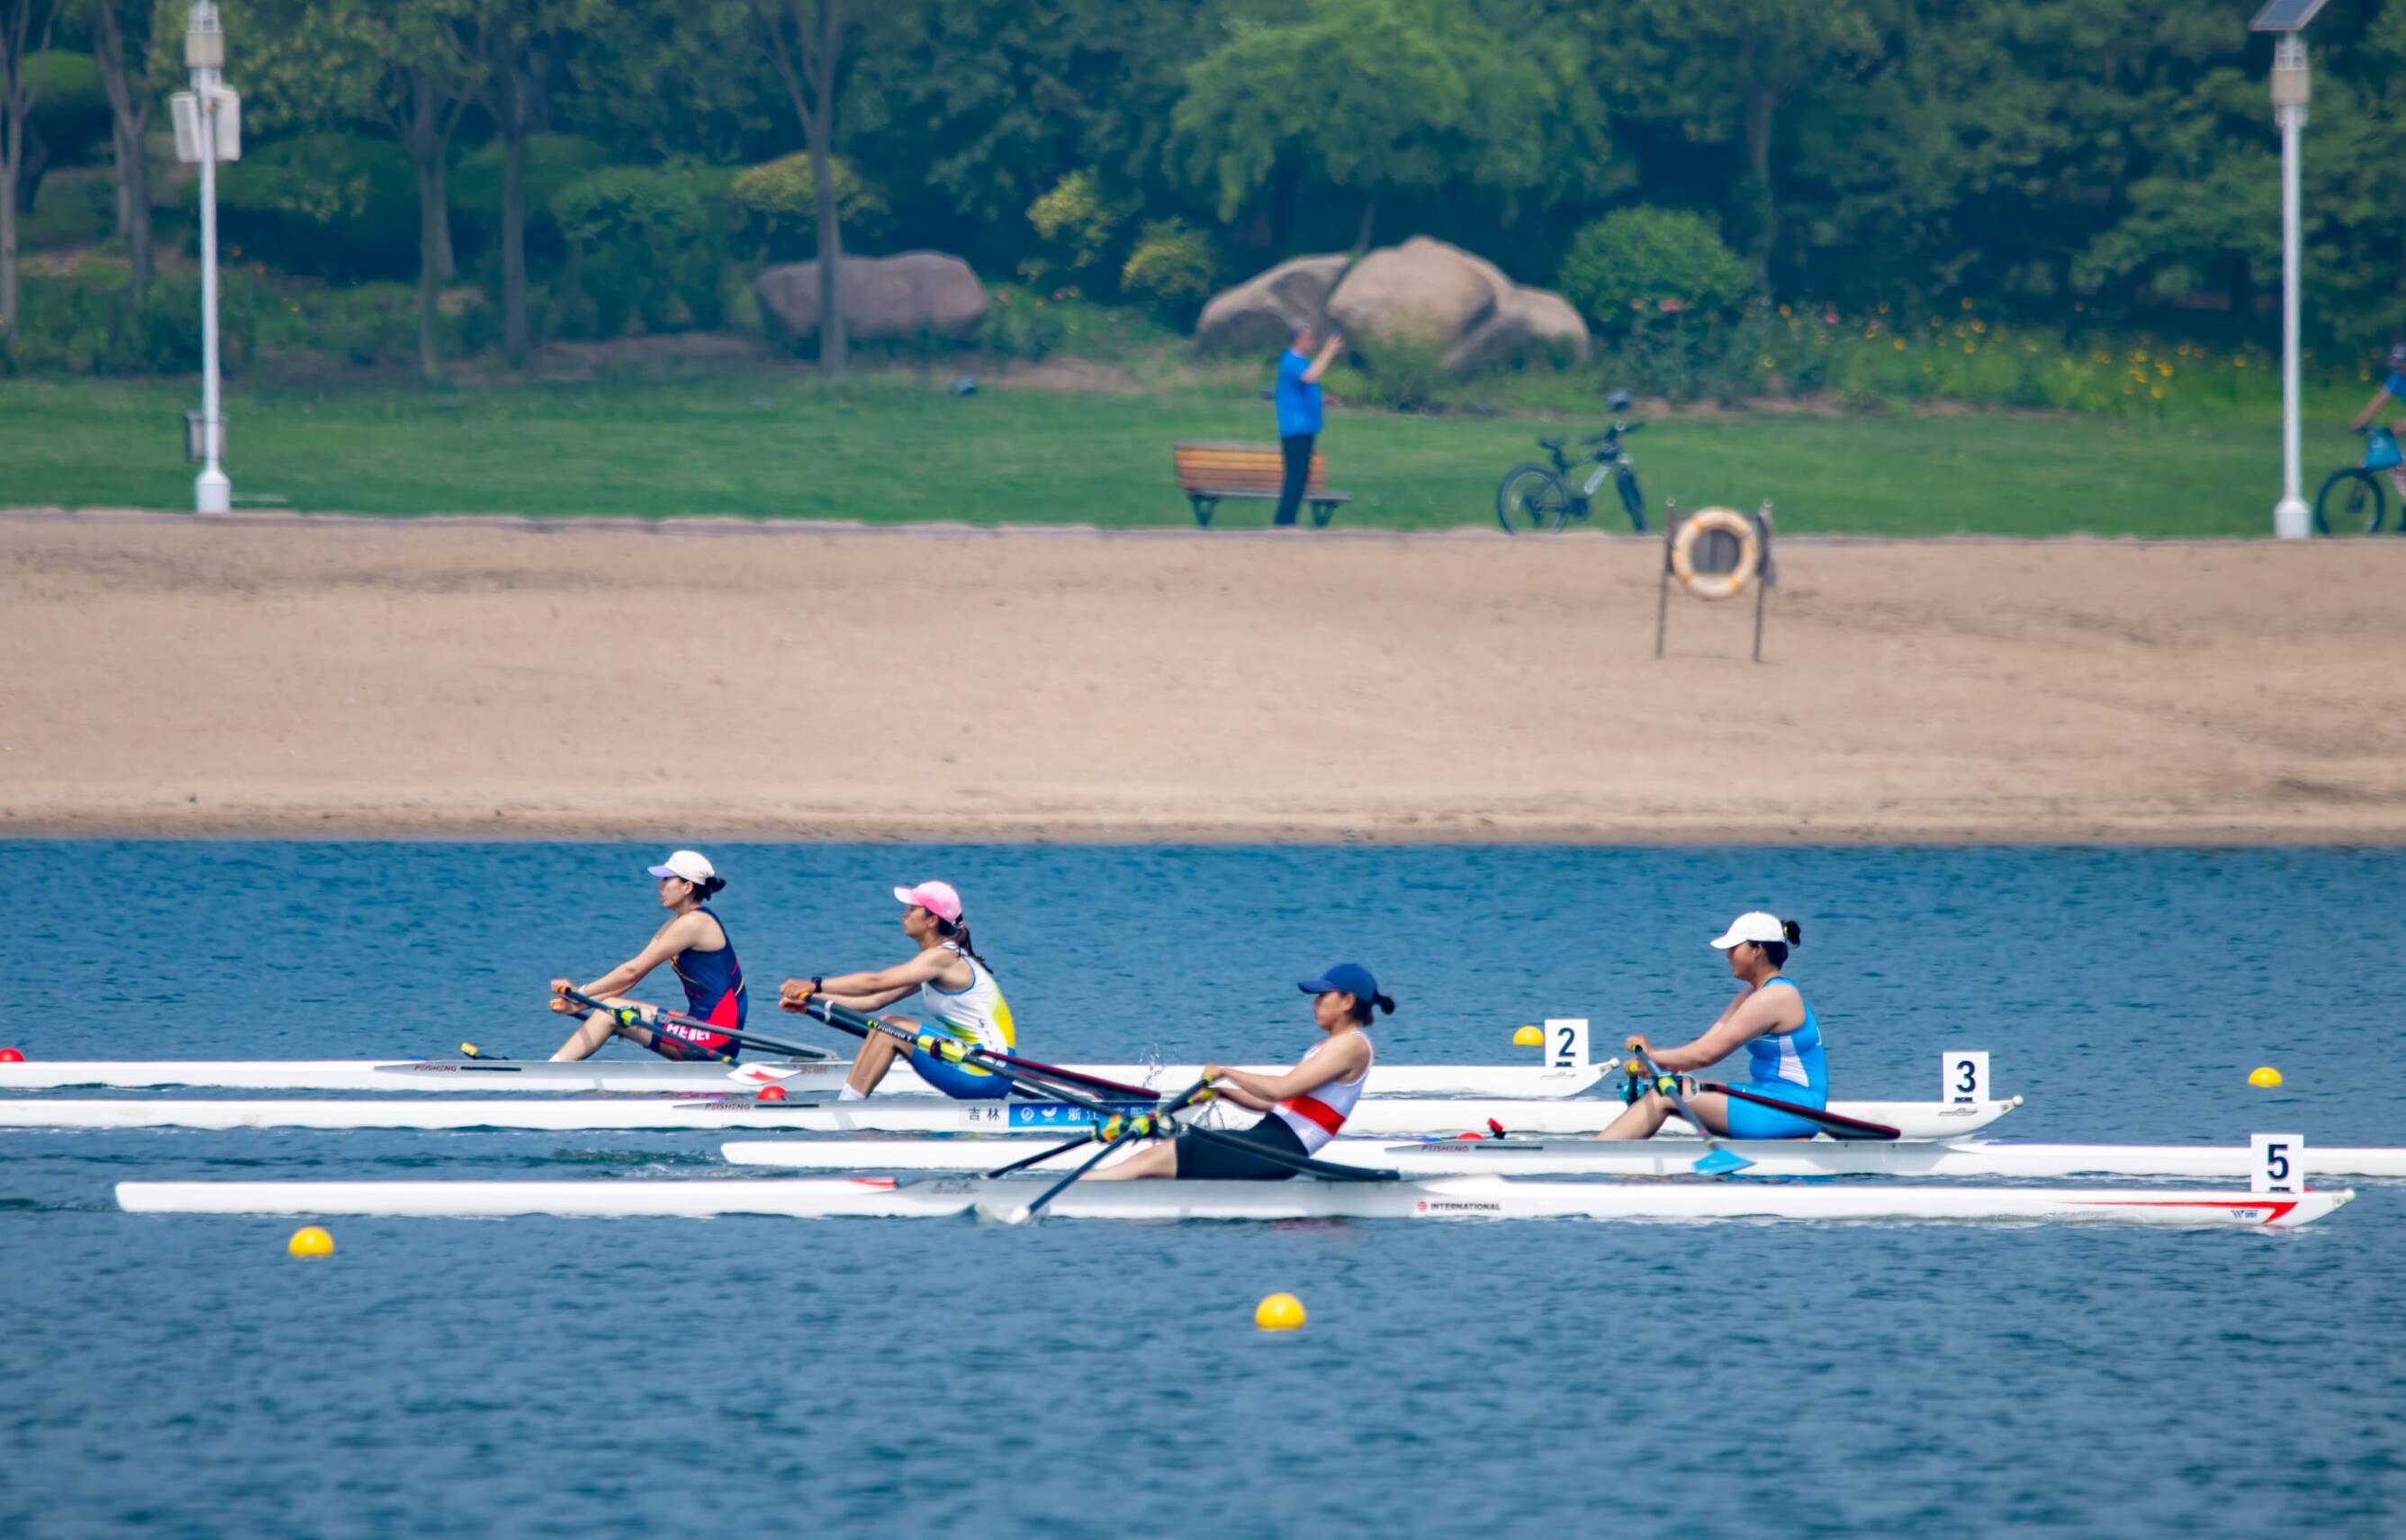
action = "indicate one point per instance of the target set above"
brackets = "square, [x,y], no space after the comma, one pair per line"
[957,932]
[710,888]
[1382,1004]
[1778,951]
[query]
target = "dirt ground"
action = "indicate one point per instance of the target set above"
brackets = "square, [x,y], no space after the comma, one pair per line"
[320,677]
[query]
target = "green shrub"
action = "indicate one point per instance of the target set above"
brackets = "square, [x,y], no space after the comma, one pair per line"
[71,108]
[85,322]
[1173,266]
[1653,262]
[1078,225]
[642,247]
[1021,325]
[338,205]
[552,162]
[1407,373]
[773,208]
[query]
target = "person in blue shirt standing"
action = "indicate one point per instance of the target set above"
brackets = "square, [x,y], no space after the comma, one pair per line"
[1298,412]
[2394,387]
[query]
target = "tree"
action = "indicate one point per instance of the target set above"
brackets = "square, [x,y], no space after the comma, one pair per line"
[122,46]
[1373,98]
[804,41]
[1726,70]
[497,48]
[413,70]
[24,38]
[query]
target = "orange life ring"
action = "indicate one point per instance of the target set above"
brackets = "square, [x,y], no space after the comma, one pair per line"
[1716,585]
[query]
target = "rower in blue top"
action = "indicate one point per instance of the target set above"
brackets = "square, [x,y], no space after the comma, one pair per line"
[1770,1020]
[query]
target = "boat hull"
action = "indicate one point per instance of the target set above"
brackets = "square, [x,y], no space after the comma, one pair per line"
[1970,1158]
[1374,1116]
[488,1077]
[1454,1198]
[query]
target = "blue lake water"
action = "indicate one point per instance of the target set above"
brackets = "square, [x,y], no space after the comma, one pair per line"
[183,1377]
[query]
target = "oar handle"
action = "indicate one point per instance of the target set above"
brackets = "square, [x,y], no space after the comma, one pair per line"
[862,1026]
[748,1039]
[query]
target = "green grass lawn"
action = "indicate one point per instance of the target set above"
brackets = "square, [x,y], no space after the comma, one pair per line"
[891,447]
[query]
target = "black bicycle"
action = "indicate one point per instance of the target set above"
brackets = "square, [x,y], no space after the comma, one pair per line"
[2352,500]
[1539,497]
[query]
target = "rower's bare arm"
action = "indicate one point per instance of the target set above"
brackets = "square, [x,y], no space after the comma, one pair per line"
[870,1001]
[671,939]
[1341,1062]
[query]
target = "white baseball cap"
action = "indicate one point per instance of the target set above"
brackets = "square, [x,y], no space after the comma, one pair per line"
[1754,925]
[691,864]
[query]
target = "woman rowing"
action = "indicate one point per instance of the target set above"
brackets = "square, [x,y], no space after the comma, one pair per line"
[1305,1106]
[952,984]
[1770,1020]
[693,942]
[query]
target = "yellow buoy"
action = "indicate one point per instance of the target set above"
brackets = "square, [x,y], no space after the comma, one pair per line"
[1528,1037]
[1279,1312]
[2264,1075]
[310,1241]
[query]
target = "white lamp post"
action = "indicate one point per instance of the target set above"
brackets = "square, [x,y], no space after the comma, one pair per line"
[208,129]
[2285,19]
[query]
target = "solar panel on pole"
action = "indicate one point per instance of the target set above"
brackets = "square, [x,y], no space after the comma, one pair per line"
[2285,16]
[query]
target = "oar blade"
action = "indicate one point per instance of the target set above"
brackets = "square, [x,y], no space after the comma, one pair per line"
[1718,1161]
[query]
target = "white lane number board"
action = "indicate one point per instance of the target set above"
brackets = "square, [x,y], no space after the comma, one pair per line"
[1566,1042]
[1963,1075]
[2278,1162]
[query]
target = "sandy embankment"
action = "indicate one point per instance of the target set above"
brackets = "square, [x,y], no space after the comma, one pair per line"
[356,678]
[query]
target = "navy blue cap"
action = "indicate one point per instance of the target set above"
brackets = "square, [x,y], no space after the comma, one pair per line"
[1345,979]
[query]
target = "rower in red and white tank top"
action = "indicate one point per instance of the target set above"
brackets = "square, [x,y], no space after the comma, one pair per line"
[1317,1116]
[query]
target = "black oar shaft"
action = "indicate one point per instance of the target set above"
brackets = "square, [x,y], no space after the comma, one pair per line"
[747,1038]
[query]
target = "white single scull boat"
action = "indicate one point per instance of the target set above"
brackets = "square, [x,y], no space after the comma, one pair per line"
[1451,1198]
[1389,1115]
[1660,1157]
[486,1076]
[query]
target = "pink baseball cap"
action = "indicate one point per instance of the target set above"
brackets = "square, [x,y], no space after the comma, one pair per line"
[937,898]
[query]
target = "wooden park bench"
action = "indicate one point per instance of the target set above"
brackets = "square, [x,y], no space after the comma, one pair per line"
[1209,472]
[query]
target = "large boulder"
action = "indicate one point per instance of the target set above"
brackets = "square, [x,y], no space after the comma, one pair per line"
[1423,294]
[885,299]
[1259,314]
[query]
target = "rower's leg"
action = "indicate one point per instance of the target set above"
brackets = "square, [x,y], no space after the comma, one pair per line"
[1641,1121]
[599,1028]
[1160,1160]
[869,1066]
[1713,1108]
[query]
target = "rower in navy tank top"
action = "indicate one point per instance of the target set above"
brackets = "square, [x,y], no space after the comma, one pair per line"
[694,942]
[1786,1061]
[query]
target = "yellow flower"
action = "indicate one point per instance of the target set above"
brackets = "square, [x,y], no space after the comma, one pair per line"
[1971,347]
[2165,370]
[2138,355]
[1980,326]
[1899,345]
[1967,304]
[2156,391]
[1783,310]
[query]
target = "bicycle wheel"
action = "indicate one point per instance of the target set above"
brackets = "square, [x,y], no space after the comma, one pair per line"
[1632,499]
[1532,498]
[2351,502]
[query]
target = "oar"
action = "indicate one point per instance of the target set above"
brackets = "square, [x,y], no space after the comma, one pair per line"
[1715,1161]
[1138,1127]
[1014,1071]
[628,1015]
[1838,1124]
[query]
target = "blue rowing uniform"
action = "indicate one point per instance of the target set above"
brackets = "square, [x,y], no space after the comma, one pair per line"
[714,993]
[1789,1067]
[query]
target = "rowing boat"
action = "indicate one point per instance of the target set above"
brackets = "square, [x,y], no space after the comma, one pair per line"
[1449,1198]
[1375,1116]
[1662,1157]
[483,1076]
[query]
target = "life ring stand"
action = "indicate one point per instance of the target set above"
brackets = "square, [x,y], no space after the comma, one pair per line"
[1755,563]
[1748,533]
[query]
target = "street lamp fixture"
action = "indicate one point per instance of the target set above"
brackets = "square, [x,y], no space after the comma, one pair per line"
[2285,19]
[208,129]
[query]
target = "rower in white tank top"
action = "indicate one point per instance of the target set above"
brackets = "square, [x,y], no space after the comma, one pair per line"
[977,1014]
[1316,1116]
[1304,1107]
